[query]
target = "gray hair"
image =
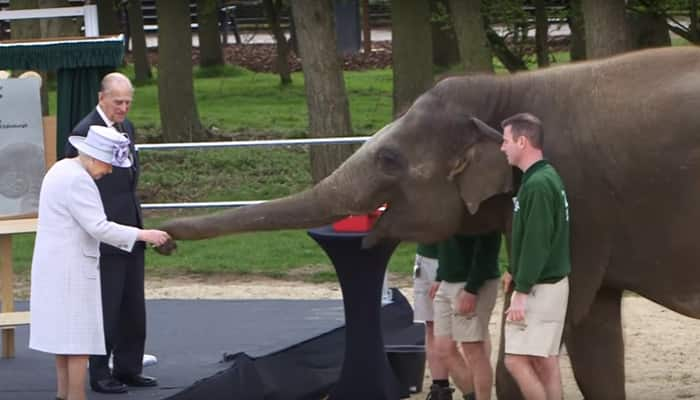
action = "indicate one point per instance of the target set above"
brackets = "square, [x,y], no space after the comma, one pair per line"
[113,79]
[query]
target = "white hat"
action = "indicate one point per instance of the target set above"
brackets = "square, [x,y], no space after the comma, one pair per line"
[104,144]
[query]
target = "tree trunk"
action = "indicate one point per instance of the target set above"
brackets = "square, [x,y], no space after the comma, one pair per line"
[541,34]
[272,10]
[411,51]
[366,28]
[108,17]
[139,51]
[178,109]
[293,42]
[210,52]
[471,36]
[694,34]
[648,30]
[607,31]
[577,44]
[59,27]
[326,99]
[443,36]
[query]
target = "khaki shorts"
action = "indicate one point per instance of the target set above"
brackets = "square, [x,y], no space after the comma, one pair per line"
[424,272]
[540,333]
[472,327]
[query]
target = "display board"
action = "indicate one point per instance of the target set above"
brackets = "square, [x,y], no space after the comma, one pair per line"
[22,161]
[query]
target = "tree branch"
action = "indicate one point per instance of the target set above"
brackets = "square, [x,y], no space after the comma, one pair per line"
[500,49]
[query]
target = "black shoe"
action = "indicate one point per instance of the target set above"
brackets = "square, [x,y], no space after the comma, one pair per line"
[137,380]
[440,393]
[108,385]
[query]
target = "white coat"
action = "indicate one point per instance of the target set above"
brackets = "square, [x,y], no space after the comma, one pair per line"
[65,303]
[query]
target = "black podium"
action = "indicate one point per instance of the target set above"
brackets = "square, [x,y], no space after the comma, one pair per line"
[366,373]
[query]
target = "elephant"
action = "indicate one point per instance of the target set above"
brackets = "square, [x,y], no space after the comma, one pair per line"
[624,134]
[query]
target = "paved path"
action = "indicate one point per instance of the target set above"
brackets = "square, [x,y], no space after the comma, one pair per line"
[378,35]
[262,37]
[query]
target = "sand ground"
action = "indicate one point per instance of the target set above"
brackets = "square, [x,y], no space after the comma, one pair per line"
[662,347]
[662,358]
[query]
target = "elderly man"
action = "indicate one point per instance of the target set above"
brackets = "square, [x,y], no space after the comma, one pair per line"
[122,275]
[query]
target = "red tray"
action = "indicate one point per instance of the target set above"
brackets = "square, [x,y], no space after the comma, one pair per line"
[356,223]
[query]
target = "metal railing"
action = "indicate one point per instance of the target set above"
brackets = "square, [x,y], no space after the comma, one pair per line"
[241,143]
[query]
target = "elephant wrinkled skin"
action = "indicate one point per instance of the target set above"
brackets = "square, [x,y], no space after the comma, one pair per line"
[623,132]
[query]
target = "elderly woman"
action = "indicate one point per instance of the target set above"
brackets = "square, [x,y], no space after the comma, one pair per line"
[66,306]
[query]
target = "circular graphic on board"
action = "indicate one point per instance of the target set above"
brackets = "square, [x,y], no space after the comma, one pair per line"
[21,172]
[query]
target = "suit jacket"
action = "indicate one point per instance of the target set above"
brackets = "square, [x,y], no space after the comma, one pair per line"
[66,300]
[118,189]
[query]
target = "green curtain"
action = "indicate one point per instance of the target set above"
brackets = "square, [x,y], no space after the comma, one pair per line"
[77,95]
[80,63]
[55,54]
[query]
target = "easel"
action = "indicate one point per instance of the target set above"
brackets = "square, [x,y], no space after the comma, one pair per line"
[9,319]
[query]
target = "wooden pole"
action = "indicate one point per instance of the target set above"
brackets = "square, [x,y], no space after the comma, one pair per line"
[6,293]
[7,278]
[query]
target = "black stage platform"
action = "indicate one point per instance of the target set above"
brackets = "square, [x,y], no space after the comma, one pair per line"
[226,349]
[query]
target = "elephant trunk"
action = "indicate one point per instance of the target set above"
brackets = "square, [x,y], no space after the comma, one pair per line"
[297,211]
[335,197]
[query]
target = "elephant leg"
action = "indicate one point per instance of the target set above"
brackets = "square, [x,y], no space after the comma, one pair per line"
[596,348]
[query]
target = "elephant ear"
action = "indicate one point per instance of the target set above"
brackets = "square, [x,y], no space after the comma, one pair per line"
[484,171]
[484,130]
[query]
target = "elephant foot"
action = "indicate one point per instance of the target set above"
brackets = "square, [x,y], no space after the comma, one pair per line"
[596,348]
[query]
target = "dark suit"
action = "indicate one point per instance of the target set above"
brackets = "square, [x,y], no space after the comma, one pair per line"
[121,273]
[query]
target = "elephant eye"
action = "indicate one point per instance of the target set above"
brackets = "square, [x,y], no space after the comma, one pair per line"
[390,161]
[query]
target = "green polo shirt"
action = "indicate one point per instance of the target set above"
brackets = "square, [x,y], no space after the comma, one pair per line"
[540,248]
[427,250]
[470,259]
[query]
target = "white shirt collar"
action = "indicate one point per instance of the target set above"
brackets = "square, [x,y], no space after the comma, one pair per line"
[107,121]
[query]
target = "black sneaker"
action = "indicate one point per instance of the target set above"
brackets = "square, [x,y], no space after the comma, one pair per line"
[440,393]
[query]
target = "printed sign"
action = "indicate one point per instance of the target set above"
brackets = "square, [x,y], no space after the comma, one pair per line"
[21,147]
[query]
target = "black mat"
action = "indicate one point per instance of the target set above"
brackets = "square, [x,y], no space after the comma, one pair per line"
[223,345]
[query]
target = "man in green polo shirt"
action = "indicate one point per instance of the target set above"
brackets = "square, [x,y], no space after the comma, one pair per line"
[540,264]
[468,277]
[424,273]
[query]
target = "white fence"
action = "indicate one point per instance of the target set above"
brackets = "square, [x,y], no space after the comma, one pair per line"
[386,291]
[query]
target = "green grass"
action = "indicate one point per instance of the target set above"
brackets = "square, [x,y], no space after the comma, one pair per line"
[225,174]
[240,103]
[283,254]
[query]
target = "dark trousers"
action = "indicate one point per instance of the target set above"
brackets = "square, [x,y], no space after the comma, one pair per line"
[124,314]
